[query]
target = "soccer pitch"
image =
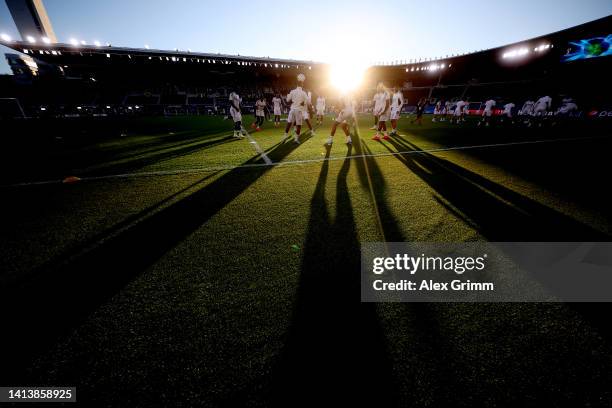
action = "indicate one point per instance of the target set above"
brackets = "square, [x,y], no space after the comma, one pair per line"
[182,257]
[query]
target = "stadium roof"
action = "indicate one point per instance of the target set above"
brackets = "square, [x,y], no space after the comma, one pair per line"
[41,50]
[48,52]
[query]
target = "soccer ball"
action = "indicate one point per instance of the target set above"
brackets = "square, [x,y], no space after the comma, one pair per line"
[301,77]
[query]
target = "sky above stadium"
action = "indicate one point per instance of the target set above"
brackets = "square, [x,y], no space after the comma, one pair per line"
[317,30]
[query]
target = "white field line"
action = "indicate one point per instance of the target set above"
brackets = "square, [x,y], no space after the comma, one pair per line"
[297,162]
[257,148]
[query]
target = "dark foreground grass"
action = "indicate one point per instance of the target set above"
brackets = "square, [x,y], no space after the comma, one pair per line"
[158,288]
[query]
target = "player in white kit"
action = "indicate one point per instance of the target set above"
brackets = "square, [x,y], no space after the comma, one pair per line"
[277,104]
[487,113]
[374,99]
[446,111]
[459,111]
[260,106]
[527,110]
[397,102]
[541,108]
[298,99]
[345,115]
[382,110]
[236,113]
[568,106]
[508,108]
[320,109]
[307,112]
[437,111]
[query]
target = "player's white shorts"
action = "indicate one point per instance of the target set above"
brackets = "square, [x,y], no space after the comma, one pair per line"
[443,111]
[306,115]
[395,113]
[487,113]
[508,114]
[344,115]
[436,111]
[260,114]
[383,117]
[236,115]
[320,111]
[458,112]
[277,111]
[296,116]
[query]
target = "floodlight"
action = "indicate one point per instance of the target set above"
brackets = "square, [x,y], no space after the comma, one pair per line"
[74,41]
[46,40]
[5,37]
[515,53]
[31,39]
[97,43]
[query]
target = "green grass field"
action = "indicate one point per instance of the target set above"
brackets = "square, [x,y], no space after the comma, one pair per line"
[182,268]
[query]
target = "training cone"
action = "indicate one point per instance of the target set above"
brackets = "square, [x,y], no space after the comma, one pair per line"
[71,180]
[295,248]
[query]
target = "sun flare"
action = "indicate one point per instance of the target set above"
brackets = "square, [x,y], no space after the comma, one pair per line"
[346,77]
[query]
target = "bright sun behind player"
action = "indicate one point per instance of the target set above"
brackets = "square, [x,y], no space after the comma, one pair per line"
[347,75]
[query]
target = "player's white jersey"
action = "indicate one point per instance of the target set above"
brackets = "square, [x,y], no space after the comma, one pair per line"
[438,108]
[347,111]
[543,103]
[260,105]
[447,106]
[488,109]
[508,109]
[567,108]
[276,103]
[380,103]
[235,99]
[397,100]
[320,106]
[298,99]
[347,104]
[320,103]
[374,99]
[459,108]
[527,108]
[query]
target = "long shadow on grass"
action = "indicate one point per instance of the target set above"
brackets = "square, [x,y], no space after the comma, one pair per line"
[97,161]
[141,159]
[556,166]
[499,213]
[432,378]
[57,299]
[335,352]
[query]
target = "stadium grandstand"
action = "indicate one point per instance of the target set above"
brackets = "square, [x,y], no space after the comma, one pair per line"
[77,79]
